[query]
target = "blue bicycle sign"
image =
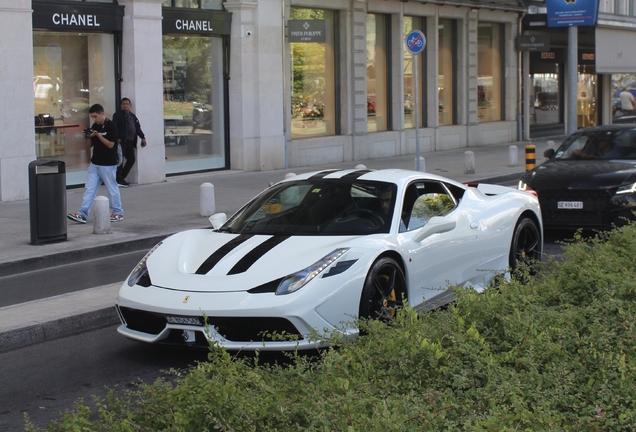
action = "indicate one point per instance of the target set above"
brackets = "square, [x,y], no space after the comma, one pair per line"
[415,42]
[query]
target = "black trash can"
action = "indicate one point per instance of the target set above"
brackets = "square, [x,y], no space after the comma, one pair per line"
[47,201]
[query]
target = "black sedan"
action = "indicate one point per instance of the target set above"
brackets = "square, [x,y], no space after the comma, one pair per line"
[589,182]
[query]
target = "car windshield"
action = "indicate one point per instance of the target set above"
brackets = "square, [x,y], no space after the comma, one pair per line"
[318,207]
[617,144]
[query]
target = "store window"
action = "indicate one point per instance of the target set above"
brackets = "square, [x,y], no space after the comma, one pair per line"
[586,96]
[414,23]
[622,83]
[194,114]
[490,71]
[544,97]
[446,82]
[313,72]
[377,72]
[195,4]
[71,72]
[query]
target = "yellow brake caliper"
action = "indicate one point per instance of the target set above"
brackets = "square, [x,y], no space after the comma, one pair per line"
[390,298]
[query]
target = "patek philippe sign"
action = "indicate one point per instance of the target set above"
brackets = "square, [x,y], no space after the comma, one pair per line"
[534,43]
[566,13]
[212,23]
[91,17]
[306,31]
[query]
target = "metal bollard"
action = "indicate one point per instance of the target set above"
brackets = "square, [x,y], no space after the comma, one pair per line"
[513,156]
[361,167]
[101,211]
[206,200]
[422,164]
[290,175]
[469,162]
[550,144]
[531,158]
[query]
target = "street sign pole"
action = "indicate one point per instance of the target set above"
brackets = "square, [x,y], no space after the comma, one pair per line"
[417,114]
[415,43]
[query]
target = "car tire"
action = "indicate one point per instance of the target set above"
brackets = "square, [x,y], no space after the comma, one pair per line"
[525,247]
[383,291]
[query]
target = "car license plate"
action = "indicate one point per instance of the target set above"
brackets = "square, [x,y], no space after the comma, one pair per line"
[570,205]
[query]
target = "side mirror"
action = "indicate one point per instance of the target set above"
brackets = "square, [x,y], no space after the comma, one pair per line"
[548,153]
[217,220]
[435,225]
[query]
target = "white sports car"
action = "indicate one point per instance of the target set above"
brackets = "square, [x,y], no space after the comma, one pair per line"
[309,255]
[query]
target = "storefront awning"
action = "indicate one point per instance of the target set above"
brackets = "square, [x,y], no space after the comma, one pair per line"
[615,51]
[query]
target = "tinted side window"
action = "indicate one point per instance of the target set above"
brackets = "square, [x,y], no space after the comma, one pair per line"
[422,201]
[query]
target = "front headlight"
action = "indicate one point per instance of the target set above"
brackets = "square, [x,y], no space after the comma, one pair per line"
[296,281]
[141,269]
[627,189]
[523,186]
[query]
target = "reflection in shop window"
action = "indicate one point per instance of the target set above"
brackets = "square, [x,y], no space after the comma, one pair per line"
[413,23]
[586,96]
[544,96]
[70,73]
[377,73]
[620,83]
[489,71]
[447,66]
[193,103]
[313,79]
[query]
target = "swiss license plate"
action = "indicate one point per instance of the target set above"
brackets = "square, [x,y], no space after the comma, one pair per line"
[570,205]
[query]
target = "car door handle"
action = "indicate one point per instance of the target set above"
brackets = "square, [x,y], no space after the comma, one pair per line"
[474,225]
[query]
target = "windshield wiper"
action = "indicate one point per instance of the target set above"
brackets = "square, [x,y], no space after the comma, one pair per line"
[229,230]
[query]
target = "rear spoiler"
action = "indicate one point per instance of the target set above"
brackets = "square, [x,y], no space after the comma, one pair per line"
[490,189]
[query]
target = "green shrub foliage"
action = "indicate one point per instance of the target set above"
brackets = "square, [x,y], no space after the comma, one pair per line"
[556,353]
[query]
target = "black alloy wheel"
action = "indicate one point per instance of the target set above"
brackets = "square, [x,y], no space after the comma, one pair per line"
[383,290]
[526,245]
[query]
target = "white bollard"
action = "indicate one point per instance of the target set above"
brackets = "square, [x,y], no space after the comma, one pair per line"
[206,201]
[101,211]
[290,175]
[469,162]
[513,156]
[361,166]
[550,145]
[422,164]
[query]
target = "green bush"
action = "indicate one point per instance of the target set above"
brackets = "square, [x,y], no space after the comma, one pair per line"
[557,353]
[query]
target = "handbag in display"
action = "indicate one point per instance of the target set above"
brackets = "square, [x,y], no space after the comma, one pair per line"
[44,120]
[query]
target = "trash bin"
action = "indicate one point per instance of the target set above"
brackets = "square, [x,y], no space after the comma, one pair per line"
[47,201]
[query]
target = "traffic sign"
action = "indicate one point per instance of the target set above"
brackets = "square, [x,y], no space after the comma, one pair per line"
[415,42]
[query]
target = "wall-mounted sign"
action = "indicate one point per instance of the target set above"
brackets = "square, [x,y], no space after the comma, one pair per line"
[197,22]
[306,31]
[566,13]
[84,17]
[534,43]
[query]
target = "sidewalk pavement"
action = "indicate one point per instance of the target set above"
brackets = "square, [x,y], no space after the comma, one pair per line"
[154,211]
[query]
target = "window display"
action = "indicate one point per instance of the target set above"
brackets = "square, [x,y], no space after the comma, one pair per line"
[70,73]
[194,128]
[447,66]
[313,89]
[489,71]
[377,73]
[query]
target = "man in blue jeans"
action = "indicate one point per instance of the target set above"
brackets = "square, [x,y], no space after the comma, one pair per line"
[103,167]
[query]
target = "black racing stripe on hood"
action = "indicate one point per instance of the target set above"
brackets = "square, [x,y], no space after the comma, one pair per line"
[356,174]
[217,256]
[256,253]
[322,174]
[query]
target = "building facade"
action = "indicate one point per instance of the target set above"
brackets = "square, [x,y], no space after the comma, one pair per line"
[255,85]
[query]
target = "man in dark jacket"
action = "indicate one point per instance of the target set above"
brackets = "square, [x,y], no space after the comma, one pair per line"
[129,129]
